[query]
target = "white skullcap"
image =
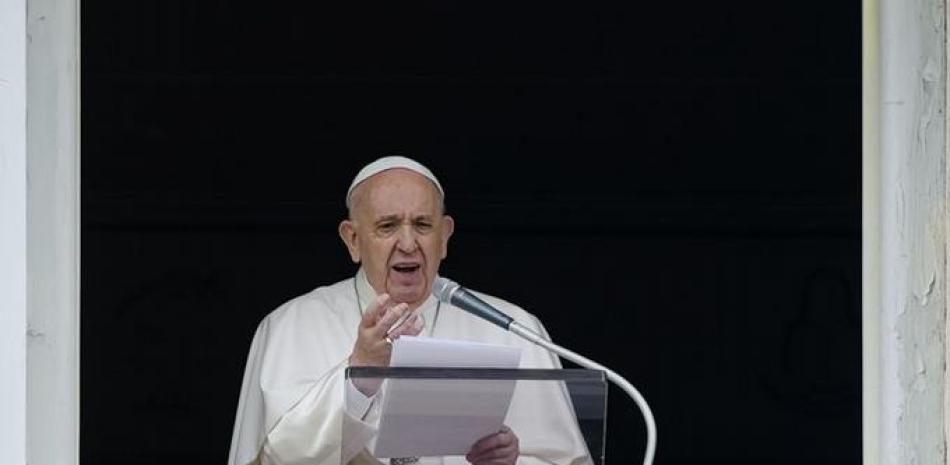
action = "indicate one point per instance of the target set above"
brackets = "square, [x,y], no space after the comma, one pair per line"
[388,163]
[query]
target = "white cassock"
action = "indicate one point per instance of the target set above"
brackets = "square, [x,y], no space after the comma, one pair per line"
[291,410]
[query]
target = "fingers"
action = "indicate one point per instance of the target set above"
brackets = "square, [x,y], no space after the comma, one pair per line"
[491,443]
[389,318]
[376,308]
[498,456]
[380,315]
[499,448]
[411,326]
[414,328]
[371,347]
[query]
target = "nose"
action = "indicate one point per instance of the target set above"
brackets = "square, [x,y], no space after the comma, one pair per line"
[406,242]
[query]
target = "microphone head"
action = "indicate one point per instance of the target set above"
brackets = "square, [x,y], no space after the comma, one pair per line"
[442,288]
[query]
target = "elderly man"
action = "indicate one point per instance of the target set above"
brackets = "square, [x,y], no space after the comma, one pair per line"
[294,398]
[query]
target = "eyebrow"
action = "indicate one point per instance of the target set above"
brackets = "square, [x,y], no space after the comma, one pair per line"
[387,218]
[396,217]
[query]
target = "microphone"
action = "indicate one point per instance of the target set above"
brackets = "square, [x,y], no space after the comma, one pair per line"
[450,292]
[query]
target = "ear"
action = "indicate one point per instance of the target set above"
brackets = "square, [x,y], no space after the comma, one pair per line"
[448,227]
[347,230]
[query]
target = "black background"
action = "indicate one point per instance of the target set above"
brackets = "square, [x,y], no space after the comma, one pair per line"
[673,187]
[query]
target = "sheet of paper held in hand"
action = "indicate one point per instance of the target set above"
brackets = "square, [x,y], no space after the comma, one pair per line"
[433,417]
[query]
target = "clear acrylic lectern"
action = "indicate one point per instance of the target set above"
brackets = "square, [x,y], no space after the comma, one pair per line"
[434,415]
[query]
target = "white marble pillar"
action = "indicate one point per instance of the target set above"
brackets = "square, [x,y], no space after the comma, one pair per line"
[39,232]
[905,224]
[13,232]
[53,232]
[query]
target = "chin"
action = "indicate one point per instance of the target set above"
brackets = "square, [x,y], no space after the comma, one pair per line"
[410,296]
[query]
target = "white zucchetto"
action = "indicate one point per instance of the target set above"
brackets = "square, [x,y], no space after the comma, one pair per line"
[388,163]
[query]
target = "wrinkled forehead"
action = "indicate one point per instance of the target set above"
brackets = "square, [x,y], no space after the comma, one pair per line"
[396,192]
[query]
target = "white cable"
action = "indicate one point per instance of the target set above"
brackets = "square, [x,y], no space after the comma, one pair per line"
[631,391]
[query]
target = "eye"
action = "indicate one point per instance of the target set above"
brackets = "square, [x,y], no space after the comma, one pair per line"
[423,226]
[386,228]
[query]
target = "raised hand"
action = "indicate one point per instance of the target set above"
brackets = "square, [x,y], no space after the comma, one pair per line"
[373,345]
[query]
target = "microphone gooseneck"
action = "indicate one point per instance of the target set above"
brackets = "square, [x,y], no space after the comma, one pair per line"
[451,292]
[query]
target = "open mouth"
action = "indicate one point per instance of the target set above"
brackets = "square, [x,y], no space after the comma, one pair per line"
[406,267]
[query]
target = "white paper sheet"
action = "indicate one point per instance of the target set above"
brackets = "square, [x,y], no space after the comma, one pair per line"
[434,417]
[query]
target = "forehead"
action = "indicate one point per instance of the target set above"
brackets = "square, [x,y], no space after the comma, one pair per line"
[397,191]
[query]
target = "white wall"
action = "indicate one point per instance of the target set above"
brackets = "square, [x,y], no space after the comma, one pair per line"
[871,234]
[39,235]
[53,232]
[12,232]
[905,240]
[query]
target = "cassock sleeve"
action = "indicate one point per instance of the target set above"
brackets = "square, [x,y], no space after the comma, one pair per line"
[292,421]
[311,432]
[248,434]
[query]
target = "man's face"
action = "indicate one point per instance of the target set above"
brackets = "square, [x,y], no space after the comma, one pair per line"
[399,234]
